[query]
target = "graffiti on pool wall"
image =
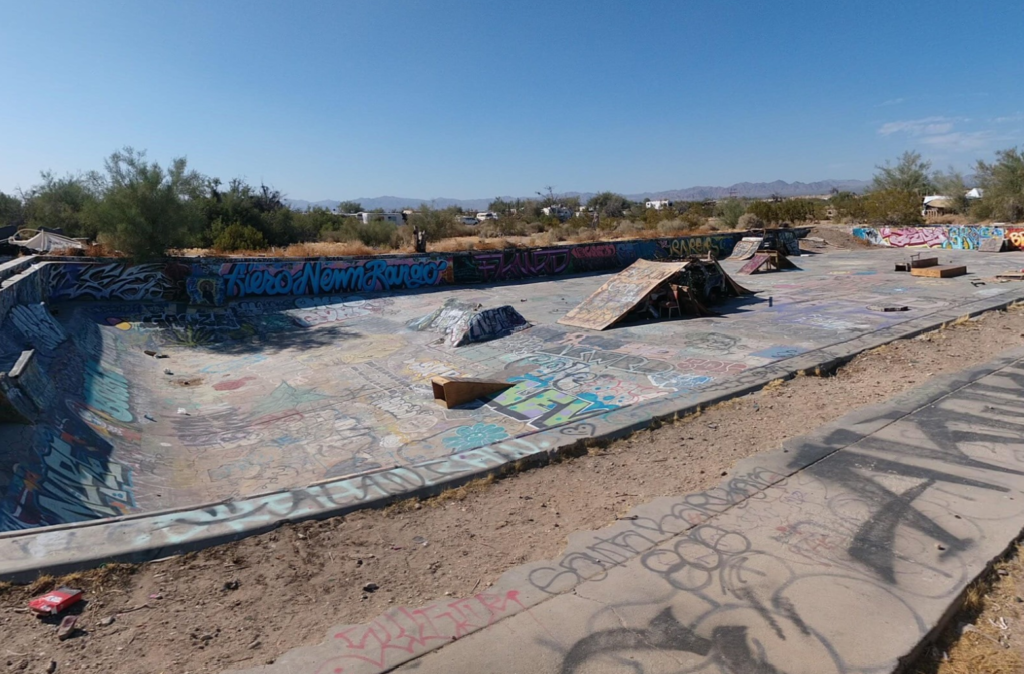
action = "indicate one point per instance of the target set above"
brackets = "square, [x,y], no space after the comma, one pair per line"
[516,264]
[37,326]
[74,480]
[1015,235]
[246,279]
[953,237]
[116,281]
[107,391]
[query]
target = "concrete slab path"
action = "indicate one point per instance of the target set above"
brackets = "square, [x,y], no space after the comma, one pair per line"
[836,553]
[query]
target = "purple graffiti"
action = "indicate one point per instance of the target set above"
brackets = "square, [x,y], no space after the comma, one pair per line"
[509,265]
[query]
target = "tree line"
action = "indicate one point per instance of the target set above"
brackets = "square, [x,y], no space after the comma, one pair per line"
[142,209]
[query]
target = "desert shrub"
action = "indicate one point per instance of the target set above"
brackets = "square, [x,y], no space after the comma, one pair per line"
[378,233]
[750,221]
[237,236]
[628,228]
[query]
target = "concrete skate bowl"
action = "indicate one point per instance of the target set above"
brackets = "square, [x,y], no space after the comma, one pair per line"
[141,407]
[165,416]
[137,389]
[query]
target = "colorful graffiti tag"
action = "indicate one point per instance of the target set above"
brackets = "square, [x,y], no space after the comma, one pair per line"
[214,282]
[954,237]
[116,281]
[72,481]
[247,279]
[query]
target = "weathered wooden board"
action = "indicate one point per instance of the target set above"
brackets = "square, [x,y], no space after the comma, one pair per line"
[942,271]
[455,391]
[922,262]
[746,248]
[755,263]
[993,244]
[771,260]
[620,294]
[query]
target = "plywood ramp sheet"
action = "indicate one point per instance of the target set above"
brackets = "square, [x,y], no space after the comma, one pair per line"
[746,248]
[620,294]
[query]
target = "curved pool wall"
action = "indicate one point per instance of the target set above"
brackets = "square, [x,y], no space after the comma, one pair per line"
[68,396]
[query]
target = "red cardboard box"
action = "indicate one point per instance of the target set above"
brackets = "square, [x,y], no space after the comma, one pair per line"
[55,602]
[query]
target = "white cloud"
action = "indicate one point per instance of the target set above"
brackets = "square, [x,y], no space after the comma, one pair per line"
[948,134]
[891,101]
[1008,119]
[918,127]
[959,140]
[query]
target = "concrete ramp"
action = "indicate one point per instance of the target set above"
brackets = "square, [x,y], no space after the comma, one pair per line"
[465,323]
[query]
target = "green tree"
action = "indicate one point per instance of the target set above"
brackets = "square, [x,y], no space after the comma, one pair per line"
[729,211]
[893,208]
[909,174]
[765,211]
[438,224]
[848,205]
[350,207]
[62,203]
[1003,185]
[609,204]
[952,186]
[144,208]
[12,211]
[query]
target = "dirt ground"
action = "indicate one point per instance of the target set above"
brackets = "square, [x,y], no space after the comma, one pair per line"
[824,237]
[245,603]
[987,635]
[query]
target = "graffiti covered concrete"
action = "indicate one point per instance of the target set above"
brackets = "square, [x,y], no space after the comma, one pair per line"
[951,237]
[890,513]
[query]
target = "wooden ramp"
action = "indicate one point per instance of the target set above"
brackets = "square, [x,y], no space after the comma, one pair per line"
[621,293]
[993,244]
[746,248]
[769,260]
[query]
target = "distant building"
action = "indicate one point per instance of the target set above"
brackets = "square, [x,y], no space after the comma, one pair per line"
[395,218]
[975,193]
[560,212]
[658,204]
[936,204]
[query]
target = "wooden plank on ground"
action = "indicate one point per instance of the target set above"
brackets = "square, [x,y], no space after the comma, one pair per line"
[620,294]
[942,271]
[924,262]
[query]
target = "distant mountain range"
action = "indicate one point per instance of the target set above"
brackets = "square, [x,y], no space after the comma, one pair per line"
[753,190]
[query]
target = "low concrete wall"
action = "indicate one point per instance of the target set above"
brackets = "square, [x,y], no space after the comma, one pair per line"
[953,237]
[215,281]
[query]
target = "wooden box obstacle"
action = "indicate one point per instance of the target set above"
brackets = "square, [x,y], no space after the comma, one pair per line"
[941,271]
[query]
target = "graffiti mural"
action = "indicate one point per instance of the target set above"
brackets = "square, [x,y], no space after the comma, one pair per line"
[247,279]
[38,326]
[73,481]
[116,281]
[954,237]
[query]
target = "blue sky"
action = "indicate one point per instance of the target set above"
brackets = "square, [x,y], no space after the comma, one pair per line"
[351,98]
